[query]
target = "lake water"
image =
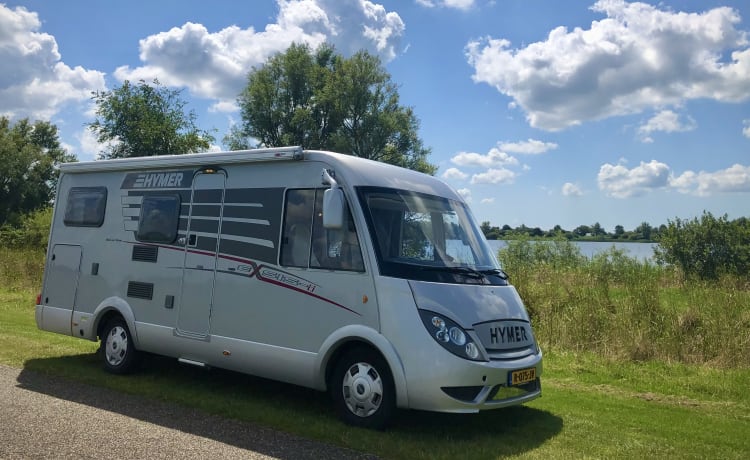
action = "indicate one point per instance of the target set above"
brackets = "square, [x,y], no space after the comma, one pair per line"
[642,251]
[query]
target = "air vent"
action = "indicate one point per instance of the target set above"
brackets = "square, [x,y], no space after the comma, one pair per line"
[145,253]
[140,290]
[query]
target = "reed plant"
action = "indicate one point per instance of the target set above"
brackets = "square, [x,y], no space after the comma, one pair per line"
[628,309]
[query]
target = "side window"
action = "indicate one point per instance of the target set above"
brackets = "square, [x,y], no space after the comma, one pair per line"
[295,242]
[160,215]
[303,223]
[86,206]
[335,249]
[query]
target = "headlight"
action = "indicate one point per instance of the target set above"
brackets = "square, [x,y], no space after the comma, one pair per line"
[450,335]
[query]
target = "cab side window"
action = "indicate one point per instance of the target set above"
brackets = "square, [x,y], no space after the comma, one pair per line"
[305,243]
[295,241]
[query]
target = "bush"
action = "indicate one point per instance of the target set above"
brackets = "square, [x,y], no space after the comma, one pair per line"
[31,233]
[706,248]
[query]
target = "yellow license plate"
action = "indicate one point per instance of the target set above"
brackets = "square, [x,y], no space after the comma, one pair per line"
[521,376]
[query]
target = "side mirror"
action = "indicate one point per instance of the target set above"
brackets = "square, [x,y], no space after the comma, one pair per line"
[333,204]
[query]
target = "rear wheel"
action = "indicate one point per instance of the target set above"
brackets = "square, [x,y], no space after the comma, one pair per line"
[362,389]
[118,350]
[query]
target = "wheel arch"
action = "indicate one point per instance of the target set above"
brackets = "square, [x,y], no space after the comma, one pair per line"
[110,308]
[353,336]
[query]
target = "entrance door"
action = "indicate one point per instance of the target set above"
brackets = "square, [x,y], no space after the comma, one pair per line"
[201,251]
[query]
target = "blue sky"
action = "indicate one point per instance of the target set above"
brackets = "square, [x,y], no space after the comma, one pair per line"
[540,112]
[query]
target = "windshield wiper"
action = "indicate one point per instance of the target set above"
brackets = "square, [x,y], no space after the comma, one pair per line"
[466,271]
[499,272]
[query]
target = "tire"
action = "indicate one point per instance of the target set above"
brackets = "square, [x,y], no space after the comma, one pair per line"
[362,389]
[117,348]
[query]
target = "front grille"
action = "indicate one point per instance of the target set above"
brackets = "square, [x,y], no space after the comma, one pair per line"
[510,354]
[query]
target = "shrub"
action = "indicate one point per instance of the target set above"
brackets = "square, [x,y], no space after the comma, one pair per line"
[706,248]
[32,232]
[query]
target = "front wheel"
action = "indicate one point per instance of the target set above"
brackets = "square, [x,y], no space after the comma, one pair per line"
[362,389]
[118,350]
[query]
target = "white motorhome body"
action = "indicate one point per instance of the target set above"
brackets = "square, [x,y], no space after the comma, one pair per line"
[224,259]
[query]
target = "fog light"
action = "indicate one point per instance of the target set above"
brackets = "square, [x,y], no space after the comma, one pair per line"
[471,350]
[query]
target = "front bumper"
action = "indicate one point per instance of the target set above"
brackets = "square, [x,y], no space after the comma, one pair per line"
[462,386]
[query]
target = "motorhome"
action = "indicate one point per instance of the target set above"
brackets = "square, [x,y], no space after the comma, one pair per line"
[333,272]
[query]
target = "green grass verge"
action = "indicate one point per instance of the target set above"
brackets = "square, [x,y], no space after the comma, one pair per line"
[592,407]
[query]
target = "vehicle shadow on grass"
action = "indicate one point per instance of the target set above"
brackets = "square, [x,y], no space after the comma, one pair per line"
[245,412]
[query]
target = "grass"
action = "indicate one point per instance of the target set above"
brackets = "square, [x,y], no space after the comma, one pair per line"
[628,309]
[594,406]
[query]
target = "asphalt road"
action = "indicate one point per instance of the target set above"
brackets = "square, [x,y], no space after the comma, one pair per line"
[48,417]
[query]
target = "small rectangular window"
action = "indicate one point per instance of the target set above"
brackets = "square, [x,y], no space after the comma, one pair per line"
[85,207]
[160,215]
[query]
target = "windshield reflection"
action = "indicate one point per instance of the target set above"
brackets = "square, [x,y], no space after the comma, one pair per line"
[426,237]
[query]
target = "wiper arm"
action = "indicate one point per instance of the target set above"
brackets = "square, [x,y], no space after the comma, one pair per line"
[466,271]
[499,272]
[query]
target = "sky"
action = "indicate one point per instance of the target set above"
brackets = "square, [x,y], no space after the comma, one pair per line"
[538,112]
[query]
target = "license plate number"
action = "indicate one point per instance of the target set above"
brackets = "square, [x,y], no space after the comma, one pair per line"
[522,376]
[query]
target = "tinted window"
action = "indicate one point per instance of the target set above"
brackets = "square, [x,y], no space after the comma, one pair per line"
[86,207]
[306,243]
[160,215]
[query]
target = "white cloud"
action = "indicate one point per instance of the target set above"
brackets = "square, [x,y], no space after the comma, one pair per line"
[494,157]
[570,189]
[620,182]
[487,200]
[215,64]
[531,147]
[90,148]
[746,128]
[637,58]
[457,4]
[665,121]
[494,176]
[454,173]
[465,194]
[35,83]
[224,107]
[735,179]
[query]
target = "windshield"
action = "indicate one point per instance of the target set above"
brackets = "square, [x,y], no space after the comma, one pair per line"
[427,237]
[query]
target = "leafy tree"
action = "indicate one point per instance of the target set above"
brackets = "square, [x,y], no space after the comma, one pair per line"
[145,120]
[597,229]
[321,100]
[582,230]
[643,231]
[707,247]
[29,154]
[619,231]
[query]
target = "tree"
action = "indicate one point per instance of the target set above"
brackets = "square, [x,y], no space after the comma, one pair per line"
[597,229]
[145,120]
[321,100]
[29,154]
[582,230]
[644,231]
